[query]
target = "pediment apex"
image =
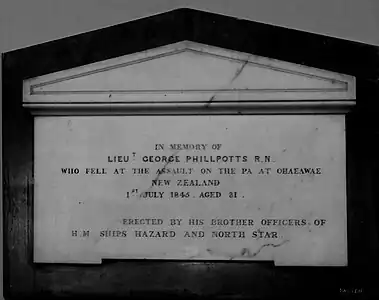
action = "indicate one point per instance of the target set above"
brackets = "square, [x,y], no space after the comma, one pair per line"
[189,66]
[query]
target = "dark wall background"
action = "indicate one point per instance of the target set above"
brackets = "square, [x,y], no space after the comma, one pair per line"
[113,278]
[24,23]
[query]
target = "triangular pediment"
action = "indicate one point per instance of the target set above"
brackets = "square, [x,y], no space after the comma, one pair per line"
[182,67]
[188,72]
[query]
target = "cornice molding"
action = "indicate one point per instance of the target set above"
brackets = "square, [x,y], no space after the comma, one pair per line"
[188,74]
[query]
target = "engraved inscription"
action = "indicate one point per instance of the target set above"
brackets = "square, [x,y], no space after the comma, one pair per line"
[194,187]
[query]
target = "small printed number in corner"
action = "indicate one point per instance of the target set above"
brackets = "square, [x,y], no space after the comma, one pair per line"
[351,290]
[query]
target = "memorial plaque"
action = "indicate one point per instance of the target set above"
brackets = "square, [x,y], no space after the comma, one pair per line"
[129,159]
[220,187]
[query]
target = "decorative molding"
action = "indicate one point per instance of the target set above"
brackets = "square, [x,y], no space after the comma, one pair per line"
[191,75]
[162,92]
[170,53]
[229,108]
